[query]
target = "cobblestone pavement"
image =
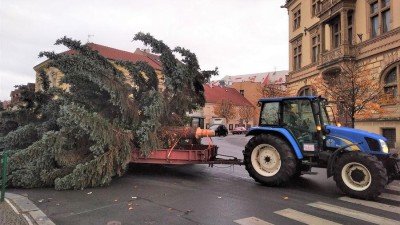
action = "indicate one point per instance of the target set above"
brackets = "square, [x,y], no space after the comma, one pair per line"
[19,210]
[9,217]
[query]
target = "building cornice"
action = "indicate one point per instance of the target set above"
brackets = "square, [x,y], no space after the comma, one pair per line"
[378,44]
[288,3]
[379,38]
[380,119]
[296,37]
[303,73]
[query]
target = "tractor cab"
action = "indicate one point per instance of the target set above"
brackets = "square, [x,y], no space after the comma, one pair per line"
[303,117]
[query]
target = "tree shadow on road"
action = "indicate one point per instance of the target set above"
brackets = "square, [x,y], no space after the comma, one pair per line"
[189,172]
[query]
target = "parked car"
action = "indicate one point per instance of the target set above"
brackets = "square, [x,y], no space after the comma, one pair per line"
[239,130]
[220,130]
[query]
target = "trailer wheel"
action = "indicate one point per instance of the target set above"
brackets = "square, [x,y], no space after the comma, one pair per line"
[269,160]
[360,175]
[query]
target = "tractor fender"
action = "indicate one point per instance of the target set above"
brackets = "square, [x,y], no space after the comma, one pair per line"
[335,155]
[282,132]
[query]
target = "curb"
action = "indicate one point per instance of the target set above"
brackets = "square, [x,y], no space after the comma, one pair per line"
[32,214]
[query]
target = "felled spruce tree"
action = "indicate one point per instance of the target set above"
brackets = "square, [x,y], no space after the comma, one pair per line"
[103,116]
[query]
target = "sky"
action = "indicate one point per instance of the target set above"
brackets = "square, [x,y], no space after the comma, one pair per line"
[237,36]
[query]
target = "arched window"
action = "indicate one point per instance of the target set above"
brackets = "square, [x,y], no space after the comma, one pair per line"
[307,91]
[390,82]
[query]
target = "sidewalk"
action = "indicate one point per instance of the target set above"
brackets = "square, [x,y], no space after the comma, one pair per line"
[19,210]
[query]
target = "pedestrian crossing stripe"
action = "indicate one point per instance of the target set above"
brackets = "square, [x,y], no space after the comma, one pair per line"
[354,213]
[390,197]
[304,218]
[252,221]
[375,205]
[394,186]
[310,219]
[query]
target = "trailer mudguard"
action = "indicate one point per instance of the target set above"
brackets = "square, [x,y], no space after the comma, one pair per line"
[282,131]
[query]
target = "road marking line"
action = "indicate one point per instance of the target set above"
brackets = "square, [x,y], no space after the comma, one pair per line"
[375,205]
[12,206]
[304,218]
[27,219]
[354,213]
[252,221]
[390,197]
[394,186]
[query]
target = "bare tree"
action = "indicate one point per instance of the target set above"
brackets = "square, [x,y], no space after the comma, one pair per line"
[272,90]
[359,92]
[246,113]
[225,109]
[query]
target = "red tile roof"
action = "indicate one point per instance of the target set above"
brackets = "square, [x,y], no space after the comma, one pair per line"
[152,56]
[116,54]
[214,94]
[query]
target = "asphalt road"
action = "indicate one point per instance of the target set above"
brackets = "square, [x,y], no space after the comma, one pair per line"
[224,194]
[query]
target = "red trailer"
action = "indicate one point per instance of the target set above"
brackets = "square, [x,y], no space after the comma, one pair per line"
[187,150]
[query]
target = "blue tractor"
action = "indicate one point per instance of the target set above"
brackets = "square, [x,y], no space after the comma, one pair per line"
[298,133]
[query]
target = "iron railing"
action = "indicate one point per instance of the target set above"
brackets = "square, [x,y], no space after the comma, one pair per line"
[4,166]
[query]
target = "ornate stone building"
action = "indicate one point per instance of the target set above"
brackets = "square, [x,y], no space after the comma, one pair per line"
[325,33]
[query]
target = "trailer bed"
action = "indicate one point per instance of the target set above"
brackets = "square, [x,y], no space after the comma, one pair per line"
[184,155]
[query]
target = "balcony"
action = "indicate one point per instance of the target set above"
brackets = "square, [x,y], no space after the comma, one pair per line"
[326,5]
[336,55]
[329,8]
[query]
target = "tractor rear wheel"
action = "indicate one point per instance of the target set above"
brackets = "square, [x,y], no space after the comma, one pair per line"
[360,175]
[269,160]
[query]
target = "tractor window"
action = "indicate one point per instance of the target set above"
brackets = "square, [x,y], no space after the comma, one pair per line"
[327,114]
[270,114]
[298,117]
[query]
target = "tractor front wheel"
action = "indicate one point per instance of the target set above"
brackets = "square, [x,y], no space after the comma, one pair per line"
[269,160]
[360,175]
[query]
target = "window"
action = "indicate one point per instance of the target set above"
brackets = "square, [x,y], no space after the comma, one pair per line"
[390,135]
[269,114]
[350,28]
[296,19]
[379,17]
[390,82]
[385,3]
[315,42]
[241,92]
[307,91]
[335,28]
[297,57]
[315,7]
[386,21]
[298,117]
[374,19]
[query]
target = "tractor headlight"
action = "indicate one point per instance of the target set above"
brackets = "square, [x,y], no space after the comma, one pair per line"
[384,146]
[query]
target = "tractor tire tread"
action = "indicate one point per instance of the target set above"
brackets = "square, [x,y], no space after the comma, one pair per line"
[378,175]
[288,164]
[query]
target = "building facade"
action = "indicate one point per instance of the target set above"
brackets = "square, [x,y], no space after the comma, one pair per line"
[325,33]
[214,95]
